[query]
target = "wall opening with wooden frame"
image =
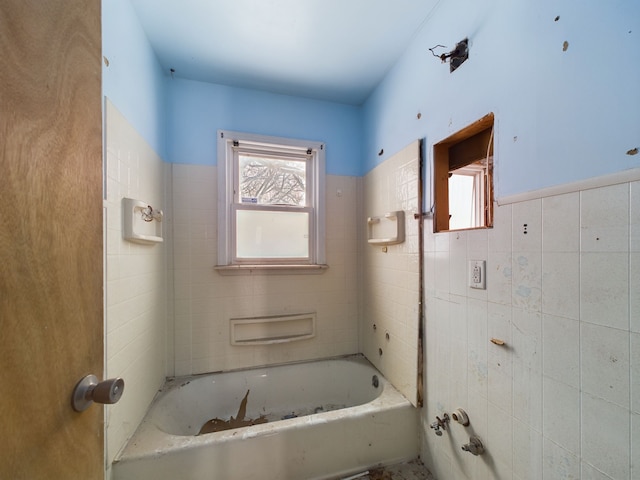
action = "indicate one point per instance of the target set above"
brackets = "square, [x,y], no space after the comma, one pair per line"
[463,178]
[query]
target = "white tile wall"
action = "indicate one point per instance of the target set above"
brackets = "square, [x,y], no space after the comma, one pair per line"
[390,279]
[564,297]
[561,415]
[605,435]
[561,399]
[527,452]
[561,353]
[604,219]
[634,291]
[136,291]
[558,463]
[604,356]
[634,346]
[605,302]
[561,291]
[635,445]
[205,301]
[634,213]
[561,223]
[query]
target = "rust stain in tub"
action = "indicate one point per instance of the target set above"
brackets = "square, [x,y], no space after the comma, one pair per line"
[218,425]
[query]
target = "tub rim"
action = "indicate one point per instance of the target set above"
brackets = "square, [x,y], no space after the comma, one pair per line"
[157,442]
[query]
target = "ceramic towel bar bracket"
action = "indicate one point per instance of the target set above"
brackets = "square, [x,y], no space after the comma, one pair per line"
[387,229]
[142,223]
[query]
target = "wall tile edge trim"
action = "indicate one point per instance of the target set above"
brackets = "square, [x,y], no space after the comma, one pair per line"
[624,176]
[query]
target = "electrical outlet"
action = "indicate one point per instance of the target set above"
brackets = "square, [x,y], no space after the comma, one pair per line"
[477,274]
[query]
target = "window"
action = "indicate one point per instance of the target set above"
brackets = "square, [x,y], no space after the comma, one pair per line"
[463,178]
[467,196]
[270,202]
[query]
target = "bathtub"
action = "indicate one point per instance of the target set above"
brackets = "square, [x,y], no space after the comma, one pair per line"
[326,419]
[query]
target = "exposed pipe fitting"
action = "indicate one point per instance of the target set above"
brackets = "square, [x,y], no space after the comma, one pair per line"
[474,446]
[440,423]
[460,416]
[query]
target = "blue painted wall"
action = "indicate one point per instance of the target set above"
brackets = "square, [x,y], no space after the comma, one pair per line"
[133,81]
[561,116]
[179,118]
[196,110]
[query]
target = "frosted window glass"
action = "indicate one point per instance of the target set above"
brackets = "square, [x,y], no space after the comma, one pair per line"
[269,234]
[272,181]
[461,202]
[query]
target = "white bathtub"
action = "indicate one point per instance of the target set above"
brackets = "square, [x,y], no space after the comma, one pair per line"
[375,426]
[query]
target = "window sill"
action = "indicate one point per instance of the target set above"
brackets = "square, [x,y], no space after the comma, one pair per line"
[270,269]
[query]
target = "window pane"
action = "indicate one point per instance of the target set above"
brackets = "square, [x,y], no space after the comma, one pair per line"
[269,234]
[272,181]
[462,200]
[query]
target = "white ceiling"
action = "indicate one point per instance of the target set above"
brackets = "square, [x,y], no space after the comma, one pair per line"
[336,50]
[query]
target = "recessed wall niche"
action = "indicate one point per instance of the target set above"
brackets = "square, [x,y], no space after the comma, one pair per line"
[463,178]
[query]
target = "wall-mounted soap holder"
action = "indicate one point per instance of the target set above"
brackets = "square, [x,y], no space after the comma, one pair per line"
[387,229]
[141,222]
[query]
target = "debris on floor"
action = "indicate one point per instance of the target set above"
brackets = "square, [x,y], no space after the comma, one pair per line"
[380,474]
[413,470]
[218,425]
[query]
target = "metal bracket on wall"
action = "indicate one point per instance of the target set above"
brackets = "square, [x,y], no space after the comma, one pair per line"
[456,57]
[459,55]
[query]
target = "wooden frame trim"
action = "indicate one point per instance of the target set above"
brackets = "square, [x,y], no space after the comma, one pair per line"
[479,133]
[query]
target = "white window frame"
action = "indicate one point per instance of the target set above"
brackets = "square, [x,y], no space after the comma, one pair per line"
[229,143]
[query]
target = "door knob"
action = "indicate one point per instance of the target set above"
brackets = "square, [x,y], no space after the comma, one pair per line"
[88,390]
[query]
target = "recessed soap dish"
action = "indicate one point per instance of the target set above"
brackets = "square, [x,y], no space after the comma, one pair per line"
[141,222]
[387,229]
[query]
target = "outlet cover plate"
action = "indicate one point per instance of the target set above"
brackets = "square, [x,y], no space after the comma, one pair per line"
[477,274]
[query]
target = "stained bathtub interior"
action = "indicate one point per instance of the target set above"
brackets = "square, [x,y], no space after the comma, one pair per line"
[242,420]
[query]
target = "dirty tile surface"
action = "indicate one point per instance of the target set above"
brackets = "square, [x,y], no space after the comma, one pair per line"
[413,470]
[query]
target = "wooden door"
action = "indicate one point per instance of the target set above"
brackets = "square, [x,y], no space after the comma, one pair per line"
[51,264]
